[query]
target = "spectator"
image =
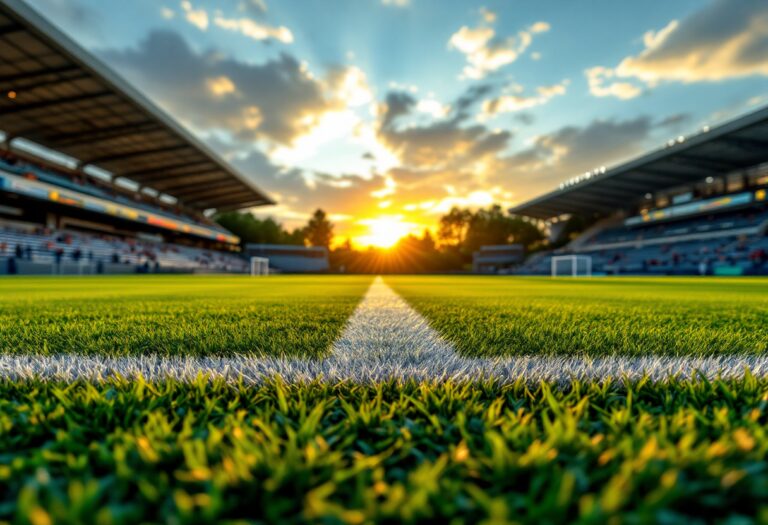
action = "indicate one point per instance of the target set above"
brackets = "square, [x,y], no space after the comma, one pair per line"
[704,267]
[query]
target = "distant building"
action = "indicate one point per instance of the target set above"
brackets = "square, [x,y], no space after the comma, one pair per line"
[291,259]
[496,258]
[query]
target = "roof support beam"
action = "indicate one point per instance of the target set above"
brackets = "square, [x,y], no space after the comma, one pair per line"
[575,201]
[27,88]
[656,178]
[20,108]
[10,29]
[79,115]
[186,180]
[64,140]
[241,205]
[164,170]
[206,191]
[603,194]
[237,200]
[745,143]
[539,211]
[39,73]
[664,176]
[134,154]
[705,162]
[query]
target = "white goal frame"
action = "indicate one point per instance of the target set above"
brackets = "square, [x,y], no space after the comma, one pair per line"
[587,259]
[259,266]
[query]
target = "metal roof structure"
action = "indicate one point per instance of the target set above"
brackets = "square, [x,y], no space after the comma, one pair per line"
[736,145]
[56,94]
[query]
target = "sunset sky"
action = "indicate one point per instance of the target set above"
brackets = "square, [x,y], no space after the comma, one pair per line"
[386,113]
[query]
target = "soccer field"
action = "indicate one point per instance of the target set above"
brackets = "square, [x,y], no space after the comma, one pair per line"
[331,432]
[494,316]
[176,315]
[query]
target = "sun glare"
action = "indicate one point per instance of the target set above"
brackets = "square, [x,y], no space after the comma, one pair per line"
[384,232]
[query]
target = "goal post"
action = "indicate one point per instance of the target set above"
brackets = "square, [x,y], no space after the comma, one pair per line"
[259,266]
[572,266]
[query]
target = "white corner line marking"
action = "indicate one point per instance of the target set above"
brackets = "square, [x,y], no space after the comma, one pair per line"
[383,339]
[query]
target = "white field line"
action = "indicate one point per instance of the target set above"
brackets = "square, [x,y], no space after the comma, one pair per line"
[383,339]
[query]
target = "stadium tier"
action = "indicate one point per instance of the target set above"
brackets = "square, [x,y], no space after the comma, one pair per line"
[697,206]
[84,156]
[291,259]
[39,251]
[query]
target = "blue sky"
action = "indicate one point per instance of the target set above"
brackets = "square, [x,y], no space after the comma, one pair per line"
[387,112]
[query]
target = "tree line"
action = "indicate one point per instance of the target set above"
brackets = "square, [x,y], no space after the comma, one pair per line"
[251,229]
[460,233]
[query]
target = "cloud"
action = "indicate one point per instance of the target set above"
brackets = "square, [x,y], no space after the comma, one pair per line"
[350,84]
[196,17]
[726,39]
[299,192]
[514,103]
[422,188]
[396,3]
[471,97]
[277,100]
[396,104]
[433,108]
[601,84]
[167,13]
[221,86]
[438,163]
[341,129]
[674,121]
[71,15]
[485,52]
[488,15]
[439,145]
[574,150]
[253,7]
[253,29]
[326,127]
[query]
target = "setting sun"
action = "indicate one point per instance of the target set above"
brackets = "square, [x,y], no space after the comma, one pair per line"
[384,232]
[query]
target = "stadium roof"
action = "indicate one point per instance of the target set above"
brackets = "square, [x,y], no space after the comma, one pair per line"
[54,93]
[736,145]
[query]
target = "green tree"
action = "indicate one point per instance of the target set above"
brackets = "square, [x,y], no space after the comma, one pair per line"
[319,230]
[525,232]
[251,229]
[453,227]
[493,226]
[466,231]
[487,227]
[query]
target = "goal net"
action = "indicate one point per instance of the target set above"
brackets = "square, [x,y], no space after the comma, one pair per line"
[259,266]
[572,266]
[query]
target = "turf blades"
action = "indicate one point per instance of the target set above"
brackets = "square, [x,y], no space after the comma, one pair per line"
[384,339]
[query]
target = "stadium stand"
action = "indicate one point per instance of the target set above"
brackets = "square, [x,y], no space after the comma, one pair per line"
[291,259]
[697,206]
[93,176]
[497,258]
[41,251]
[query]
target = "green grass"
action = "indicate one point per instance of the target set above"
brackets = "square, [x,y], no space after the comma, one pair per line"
[497,316]
[168,452]
[190,315]
[183,453]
